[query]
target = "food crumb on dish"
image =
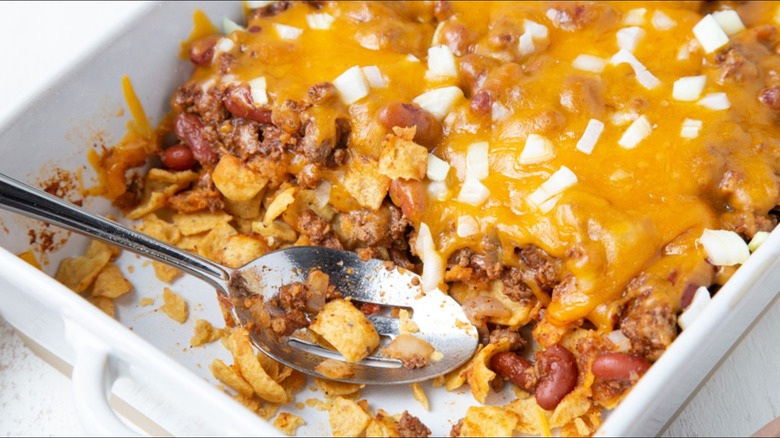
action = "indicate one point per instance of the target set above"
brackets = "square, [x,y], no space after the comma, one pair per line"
[174,306]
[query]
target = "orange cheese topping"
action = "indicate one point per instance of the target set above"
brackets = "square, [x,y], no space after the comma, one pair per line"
[630,210]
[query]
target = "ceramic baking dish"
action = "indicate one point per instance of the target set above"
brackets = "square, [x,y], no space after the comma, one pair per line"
[145,358]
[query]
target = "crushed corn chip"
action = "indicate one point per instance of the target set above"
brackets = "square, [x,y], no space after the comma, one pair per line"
[347,418]
[288,423]
[174,306]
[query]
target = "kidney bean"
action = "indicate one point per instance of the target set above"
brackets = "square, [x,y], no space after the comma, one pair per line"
[238,100]
[619,366]
[481,103]
[407,115]
[514,368]
[178,157]
[411,196]
[189,128]
[202,50]
[557,370]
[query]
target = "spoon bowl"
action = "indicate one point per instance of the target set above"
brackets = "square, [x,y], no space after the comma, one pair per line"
[439,318]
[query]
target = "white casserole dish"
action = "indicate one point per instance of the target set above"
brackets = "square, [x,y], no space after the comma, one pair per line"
[153,367]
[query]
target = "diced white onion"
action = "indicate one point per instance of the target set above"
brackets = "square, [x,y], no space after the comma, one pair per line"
[437,168]
[715,101]
[591,135]
[498,111]
[467,226]
[729,21]
[436,40]
[477,161]
[709,34]
[322,193]
[589,63]
[628,37]
[224,45]
[620,341]
[433,270]
[700,300]
[684,53]
[690,128]
[689,88]
[286,32]
[549,204]
[352,85]
[257,88]
[635,17]
[374,76]
[643,75]
[321,21]
[724,247]
[412,58]
[229,26]
[757,240]
[439,101]
[635,133]
[559,181]
[536,150]
[255,4]
[620,118]
[473,192]
[537,31]
[441,63]
[662,21]
[438,190]
[526,44]
[424,241]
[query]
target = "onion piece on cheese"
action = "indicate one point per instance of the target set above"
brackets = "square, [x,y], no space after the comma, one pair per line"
[643,75]
[589,63]
[700,300]
[498,111]
[433,263]
[473,192]
[757,240]
[709,34]
[638,131]
[689,88]
[661,21]
[439,190]
[224,44]
[439,101]
[620,341]
[374,76]
[424,240]
[684,53]
[320,21]
[477,161]
[628,37]
[257,88]
[715,101]
[536,30]
[559,181]
[229,26]
[467,226]
[635,17]
[437,168]
[591,135]
[286,32]
[526,44]
[322,193]
[441,63]
[724,247]
[536,150]
[690,128]
[352,85]
[729,21]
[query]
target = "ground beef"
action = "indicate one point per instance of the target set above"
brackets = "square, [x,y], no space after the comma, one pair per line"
[648,319]
[516,340]
[411,426]
[204,195]
[318,230]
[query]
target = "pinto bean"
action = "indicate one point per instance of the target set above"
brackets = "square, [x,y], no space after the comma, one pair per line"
[411,196]
[202,50]
[514,368]
[557,370]
[238,100]
[406,115]
[189,128]
[178,157]
[619,366]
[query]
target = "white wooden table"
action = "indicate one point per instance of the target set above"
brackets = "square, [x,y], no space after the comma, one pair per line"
[38,39]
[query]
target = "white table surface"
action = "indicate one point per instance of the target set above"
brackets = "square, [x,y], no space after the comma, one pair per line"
[40,38]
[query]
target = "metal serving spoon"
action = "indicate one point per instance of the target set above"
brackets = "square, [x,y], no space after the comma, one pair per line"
[440,319]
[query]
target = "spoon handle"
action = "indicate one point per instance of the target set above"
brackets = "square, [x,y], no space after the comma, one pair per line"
[29,201]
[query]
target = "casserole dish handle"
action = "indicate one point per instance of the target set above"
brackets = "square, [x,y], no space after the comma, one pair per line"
[93,376]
